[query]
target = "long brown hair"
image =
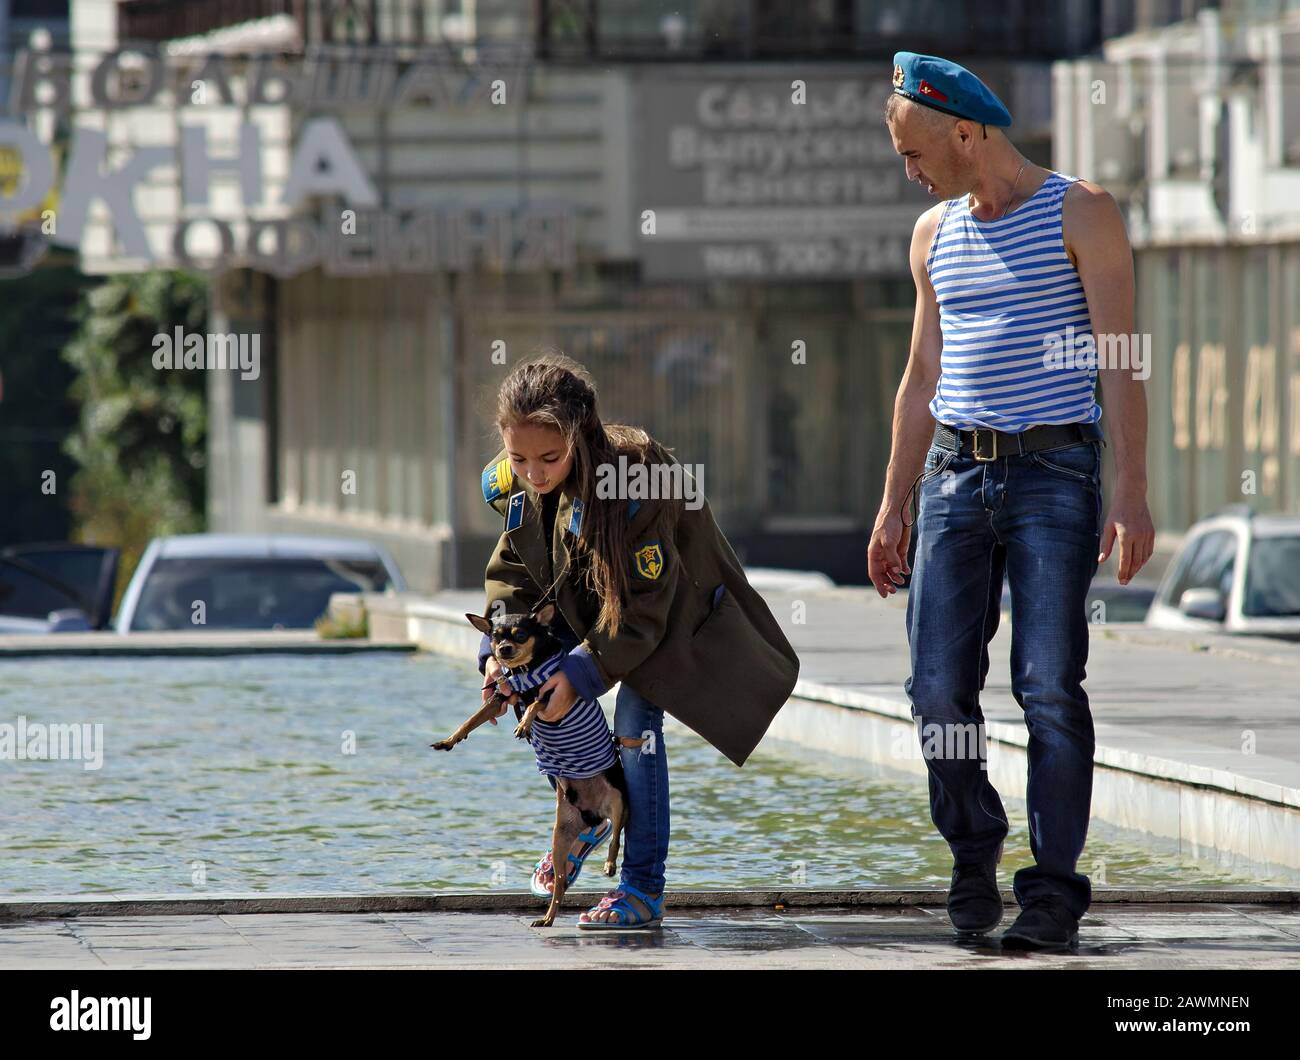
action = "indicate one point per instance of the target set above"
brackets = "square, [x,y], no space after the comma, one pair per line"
[552,390]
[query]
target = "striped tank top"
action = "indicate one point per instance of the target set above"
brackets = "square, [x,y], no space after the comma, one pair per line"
[580,744]
[1014,318]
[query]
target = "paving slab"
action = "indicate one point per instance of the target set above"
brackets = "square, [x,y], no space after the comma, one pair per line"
[1118,936]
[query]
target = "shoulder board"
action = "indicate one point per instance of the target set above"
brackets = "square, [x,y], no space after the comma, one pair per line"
[515,511]
[497,480]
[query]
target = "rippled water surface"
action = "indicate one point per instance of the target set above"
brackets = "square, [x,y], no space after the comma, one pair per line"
[314,774]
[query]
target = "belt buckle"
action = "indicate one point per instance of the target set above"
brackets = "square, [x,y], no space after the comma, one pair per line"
[975,444]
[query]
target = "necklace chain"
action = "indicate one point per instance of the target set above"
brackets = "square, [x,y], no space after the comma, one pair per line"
[1014,185]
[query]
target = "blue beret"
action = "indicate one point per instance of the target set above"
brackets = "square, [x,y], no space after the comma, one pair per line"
[945,86]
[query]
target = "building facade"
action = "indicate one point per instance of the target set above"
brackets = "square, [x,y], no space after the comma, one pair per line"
[1194,126]
[698,201]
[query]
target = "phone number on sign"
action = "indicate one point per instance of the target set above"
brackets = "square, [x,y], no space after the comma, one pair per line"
[806,258]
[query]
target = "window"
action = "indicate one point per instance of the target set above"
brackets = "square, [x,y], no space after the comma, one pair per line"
[246,593]
[1207,564]
[28,594]
[1273,578]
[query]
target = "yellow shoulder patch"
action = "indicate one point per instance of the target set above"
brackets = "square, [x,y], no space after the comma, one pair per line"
[497,480]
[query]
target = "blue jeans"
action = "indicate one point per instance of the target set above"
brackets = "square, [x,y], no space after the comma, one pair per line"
[1036,518]
[645,838]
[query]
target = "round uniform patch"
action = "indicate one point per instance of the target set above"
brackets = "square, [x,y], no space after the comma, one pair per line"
[649,560]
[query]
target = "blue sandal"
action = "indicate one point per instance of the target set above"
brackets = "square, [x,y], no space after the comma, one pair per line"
[629,917]
[592,837]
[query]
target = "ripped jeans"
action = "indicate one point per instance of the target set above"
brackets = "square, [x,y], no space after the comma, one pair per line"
[645,838]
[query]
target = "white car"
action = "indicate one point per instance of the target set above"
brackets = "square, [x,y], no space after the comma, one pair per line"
[780,580]
[248,581]
[1235,573]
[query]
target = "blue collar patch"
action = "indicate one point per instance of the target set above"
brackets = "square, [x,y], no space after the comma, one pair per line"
[515,513]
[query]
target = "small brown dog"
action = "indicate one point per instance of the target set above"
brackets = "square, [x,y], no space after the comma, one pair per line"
[577,751]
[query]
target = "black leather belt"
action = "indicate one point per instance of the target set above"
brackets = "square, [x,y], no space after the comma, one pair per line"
[987,444]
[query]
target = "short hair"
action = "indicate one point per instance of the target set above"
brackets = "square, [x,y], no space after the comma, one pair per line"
[935,120]
[896,105]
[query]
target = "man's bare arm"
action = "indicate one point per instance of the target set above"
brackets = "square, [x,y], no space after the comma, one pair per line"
[1094,235]
[913,425]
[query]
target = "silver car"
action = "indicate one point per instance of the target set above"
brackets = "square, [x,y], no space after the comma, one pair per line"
[246,581]
[1235,573]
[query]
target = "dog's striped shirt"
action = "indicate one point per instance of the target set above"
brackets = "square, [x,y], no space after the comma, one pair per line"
[580,744]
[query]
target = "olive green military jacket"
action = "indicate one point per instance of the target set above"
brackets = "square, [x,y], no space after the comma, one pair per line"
[723,671]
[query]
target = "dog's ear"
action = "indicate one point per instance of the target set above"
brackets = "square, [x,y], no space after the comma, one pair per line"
[480,623]
[545,615]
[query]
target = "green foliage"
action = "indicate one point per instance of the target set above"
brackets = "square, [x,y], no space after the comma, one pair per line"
[344,626]
[140,440]
[36,321]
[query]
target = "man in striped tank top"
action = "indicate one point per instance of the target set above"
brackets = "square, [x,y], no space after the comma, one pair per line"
[1018,271]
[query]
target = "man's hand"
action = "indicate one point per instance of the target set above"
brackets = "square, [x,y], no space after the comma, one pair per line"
[563,696]
[494,682]
[1129,523]
[887,553]
[913,429]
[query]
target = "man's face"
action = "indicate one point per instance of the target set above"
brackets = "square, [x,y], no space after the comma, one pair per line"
[933,149]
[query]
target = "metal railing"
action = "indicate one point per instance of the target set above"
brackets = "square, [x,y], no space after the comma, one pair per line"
[330,21]
[335,21]
[650,30]
[585,30]
[158,20]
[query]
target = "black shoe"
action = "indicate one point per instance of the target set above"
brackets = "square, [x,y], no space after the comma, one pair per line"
[1043,924]
[974,901]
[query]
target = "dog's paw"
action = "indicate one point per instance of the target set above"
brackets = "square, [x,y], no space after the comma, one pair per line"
[523,732]
[609,868]
[545,921]
[444,745]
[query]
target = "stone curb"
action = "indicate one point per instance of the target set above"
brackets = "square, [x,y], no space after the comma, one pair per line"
[522,901]
[138,645]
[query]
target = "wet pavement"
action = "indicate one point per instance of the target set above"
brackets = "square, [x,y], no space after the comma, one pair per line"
[1148,936]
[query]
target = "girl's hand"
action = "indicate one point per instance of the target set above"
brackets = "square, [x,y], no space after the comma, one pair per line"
[563,696]
[492,682]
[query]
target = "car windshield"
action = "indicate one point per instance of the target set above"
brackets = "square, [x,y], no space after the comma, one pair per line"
[1273,578]
[248,592]
[28,593]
